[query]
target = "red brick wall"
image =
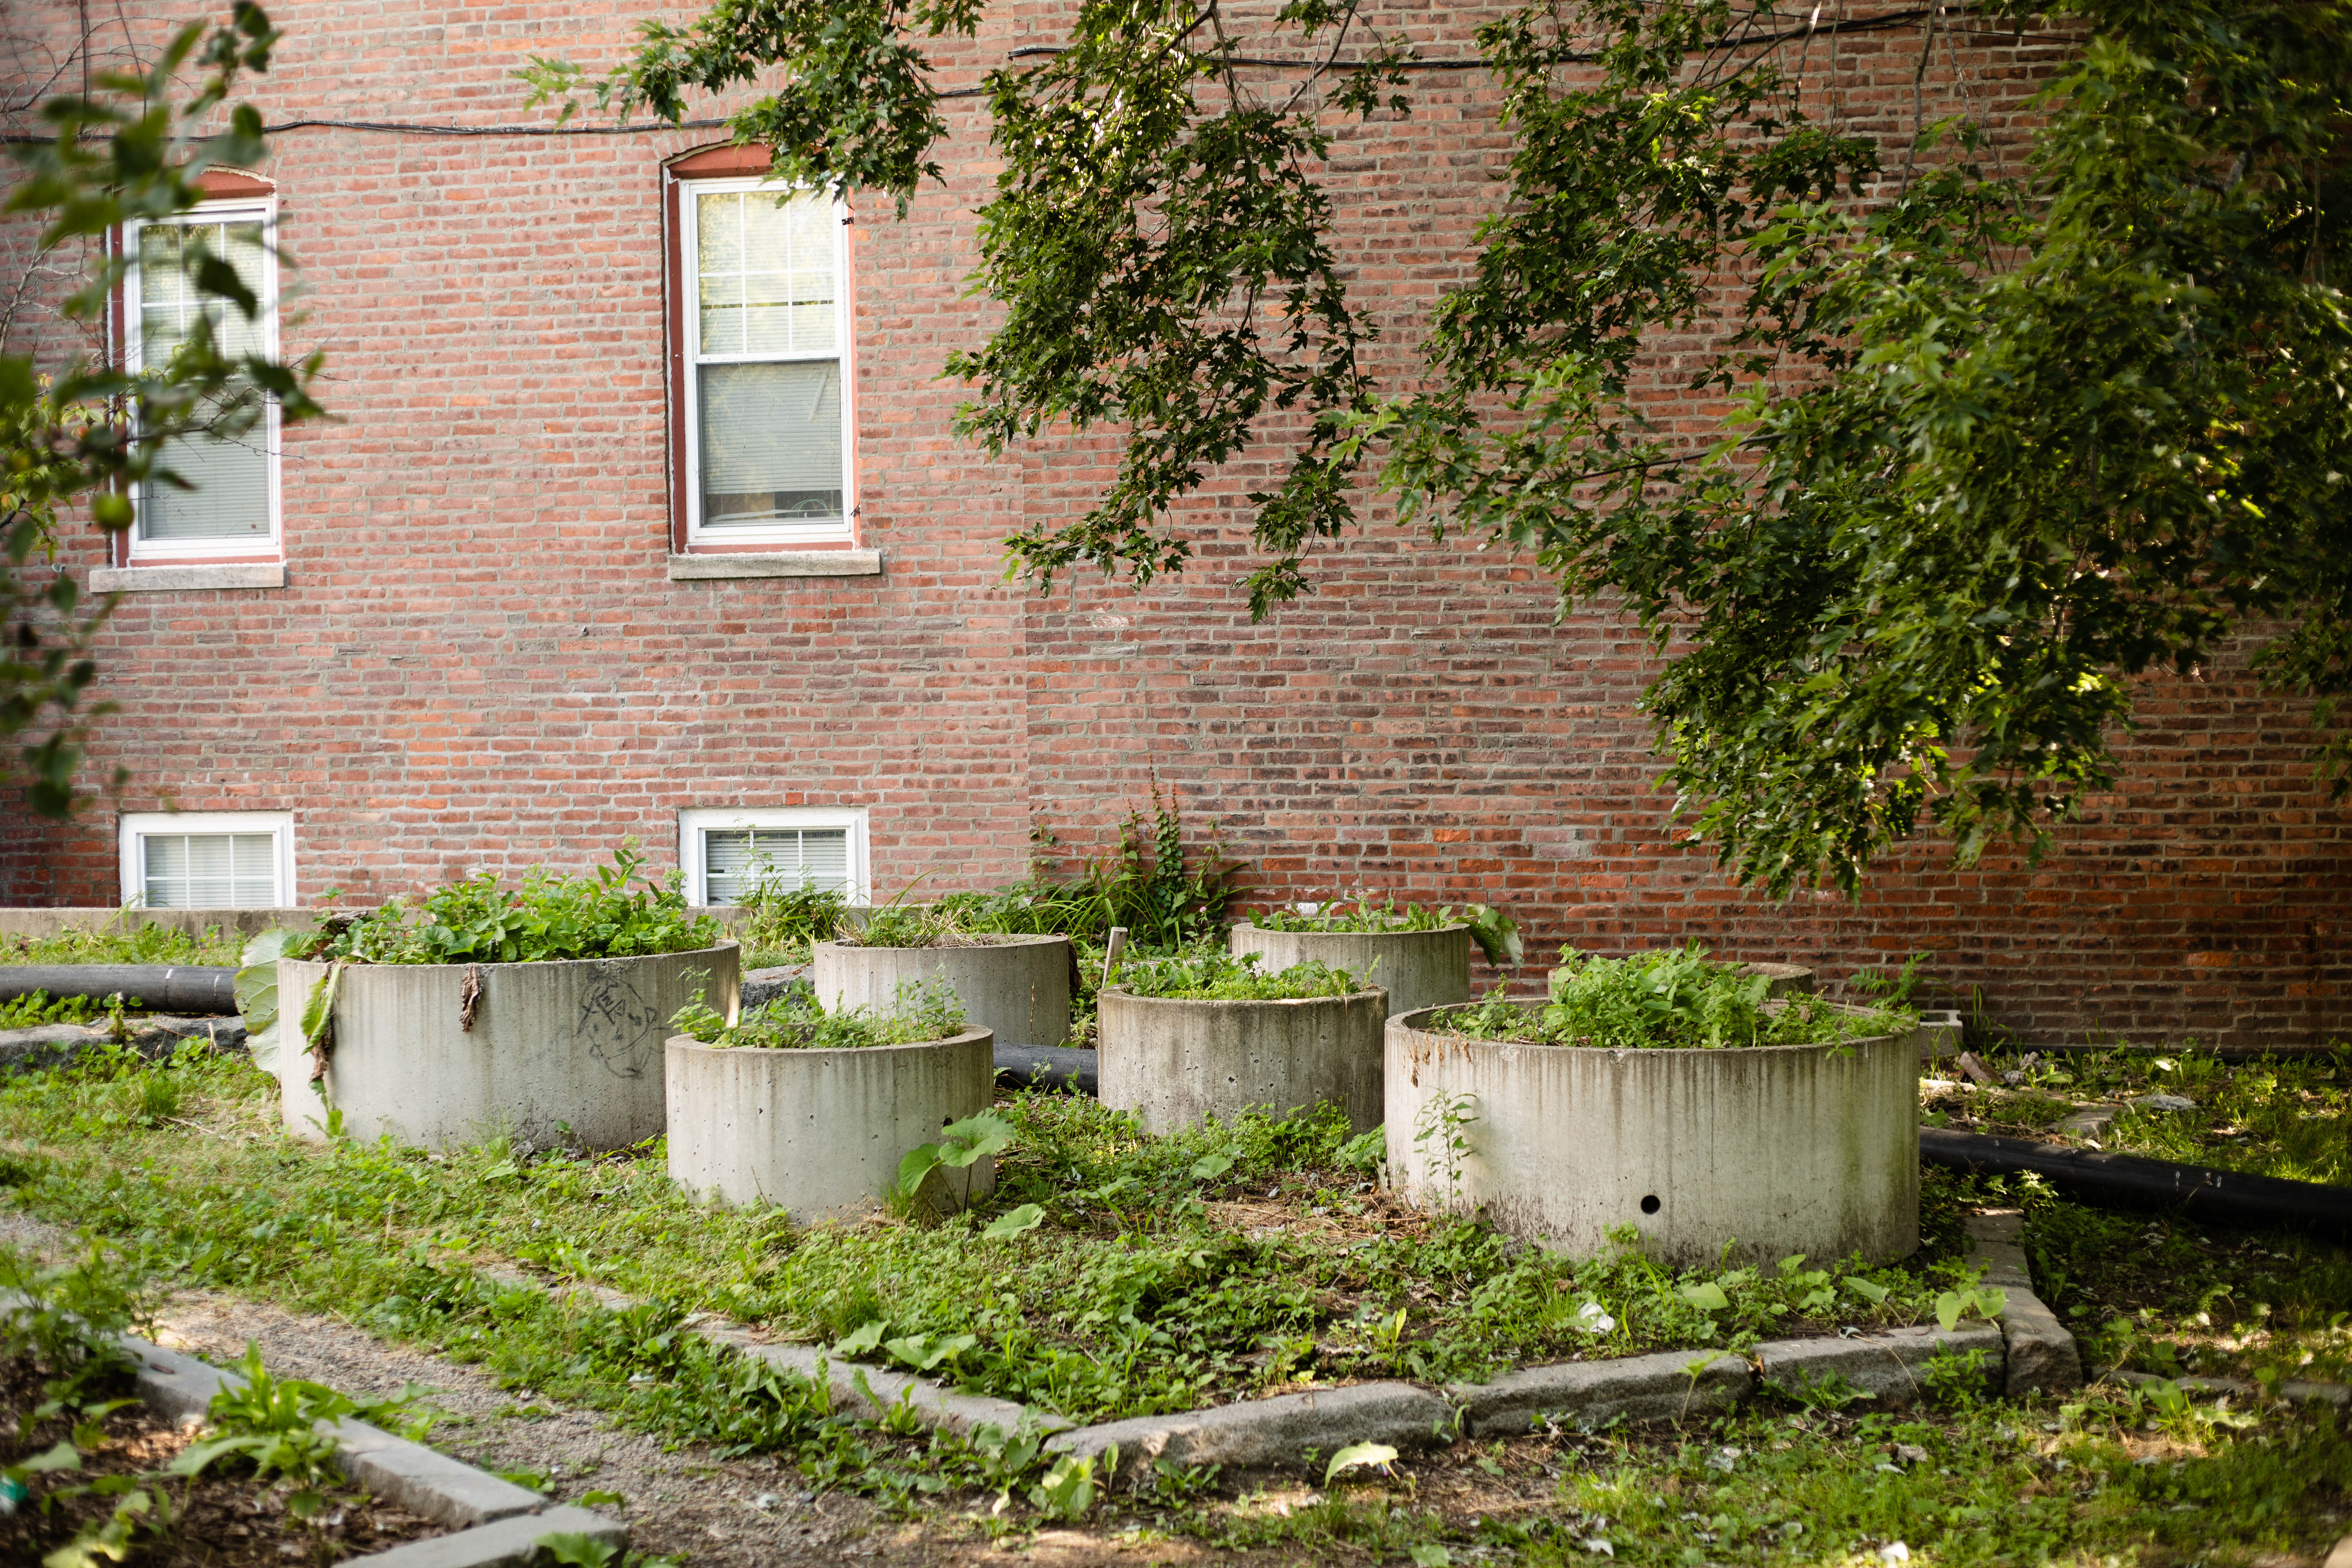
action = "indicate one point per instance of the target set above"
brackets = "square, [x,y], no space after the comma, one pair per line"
[478,660]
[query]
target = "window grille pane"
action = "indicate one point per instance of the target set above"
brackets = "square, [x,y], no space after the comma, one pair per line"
[735,861]
[770,443]
[210,871]
[232,476]
[766,282]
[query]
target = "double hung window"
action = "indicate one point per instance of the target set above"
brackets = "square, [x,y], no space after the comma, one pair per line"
[231,512]
[766,406]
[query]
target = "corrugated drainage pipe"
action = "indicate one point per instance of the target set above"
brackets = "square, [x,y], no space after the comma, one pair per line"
[182,988]
[2131,1181]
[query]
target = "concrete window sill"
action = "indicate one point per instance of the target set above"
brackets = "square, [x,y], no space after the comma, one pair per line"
[779,563]
[185,579]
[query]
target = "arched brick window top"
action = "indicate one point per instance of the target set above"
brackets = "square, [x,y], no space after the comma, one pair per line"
[726,160]
[230,184]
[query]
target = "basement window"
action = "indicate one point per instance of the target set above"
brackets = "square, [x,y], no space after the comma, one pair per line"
[216,860]
[728,853]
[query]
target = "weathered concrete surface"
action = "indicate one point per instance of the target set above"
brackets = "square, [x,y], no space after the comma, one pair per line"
[1885,1363]
[1417,968]
[820,1133]
[577,1043]
[1661,1388]
[762,985]
[38,924]
[2042,1357]
[508,1544]
[1938,1035]
[872,1392]
[154,1036]
[1177,1062]
[1276,1431]
[1017,987]
[1768,1151]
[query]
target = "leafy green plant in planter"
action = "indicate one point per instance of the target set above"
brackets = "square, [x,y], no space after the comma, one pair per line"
[1222,977]
[787,920]
[1496,933]
[611,913]
[796,1021]
[1673,1000]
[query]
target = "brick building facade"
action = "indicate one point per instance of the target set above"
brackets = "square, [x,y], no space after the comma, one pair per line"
[494,644]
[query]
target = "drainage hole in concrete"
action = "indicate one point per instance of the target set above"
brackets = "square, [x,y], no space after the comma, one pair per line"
[1649,1204]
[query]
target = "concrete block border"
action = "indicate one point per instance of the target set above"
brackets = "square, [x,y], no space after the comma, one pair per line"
[494,1523]
[2026,1352]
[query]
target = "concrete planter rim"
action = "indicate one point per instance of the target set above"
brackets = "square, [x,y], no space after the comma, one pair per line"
[1122,992]
[1021,939]
[350,968]
[1415,931]
[821,1052]
[1413,1021]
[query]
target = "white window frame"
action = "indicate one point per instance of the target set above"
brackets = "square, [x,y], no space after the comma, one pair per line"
[689,283]
[693,825]
[234,210]
[138,824]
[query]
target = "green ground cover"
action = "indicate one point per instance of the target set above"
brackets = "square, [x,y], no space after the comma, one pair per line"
[121,943]
[2287,1116]
[1171,1268]
[1166,1273]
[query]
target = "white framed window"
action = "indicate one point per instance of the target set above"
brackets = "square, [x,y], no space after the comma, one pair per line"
[765,398]
[208,860]
[234,508]
[727,853]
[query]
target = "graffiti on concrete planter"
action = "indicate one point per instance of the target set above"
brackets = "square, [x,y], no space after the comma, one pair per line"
[624,1029]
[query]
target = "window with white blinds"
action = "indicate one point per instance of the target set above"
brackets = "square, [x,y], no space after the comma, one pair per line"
[768,421]
[220,860]
[728,852]
[211,870]
[735,861]
[228,508]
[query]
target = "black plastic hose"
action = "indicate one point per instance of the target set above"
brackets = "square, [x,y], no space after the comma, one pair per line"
[182,988]
[2132,1181]
[1064,1067]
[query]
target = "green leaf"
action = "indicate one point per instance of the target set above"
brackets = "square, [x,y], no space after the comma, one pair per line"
[1028,1217]
[1868,1291]
[861,1340]
[1209,1166]
[1707,1295]
[919,1161]
[1355,1456]
[63,1457]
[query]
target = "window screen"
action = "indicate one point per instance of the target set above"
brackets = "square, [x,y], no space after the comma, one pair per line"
[231,476]
[736,860]
[768,377]
[209,870]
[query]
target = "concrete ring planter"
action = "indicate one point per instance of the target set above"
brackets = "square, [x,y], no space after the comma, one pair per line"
[1771,1150]
[1175,1061]
[820,1133]
[574,1041]
[1017,987]
[1417,968]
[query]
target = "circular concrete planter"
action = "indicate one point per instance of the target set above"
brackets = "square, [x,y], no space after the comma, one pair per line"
[1017,987]
[577,1041]
[820,1133]
[1175,1062]
[1773,1150]
[1417,968]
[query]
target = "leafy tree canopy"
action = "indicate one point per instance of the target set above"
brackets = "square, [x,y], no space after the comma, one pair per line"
[1997,437]
[86,430]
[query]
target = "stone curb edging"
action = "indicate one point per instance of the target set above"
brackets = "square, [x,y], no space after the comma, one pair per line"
[2042,1355]
[2026,1352]
[498,1524]
[2293,1392]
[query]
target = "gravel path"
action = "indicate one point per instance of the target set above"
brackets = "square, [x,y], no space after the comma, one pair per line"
[721,1512]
